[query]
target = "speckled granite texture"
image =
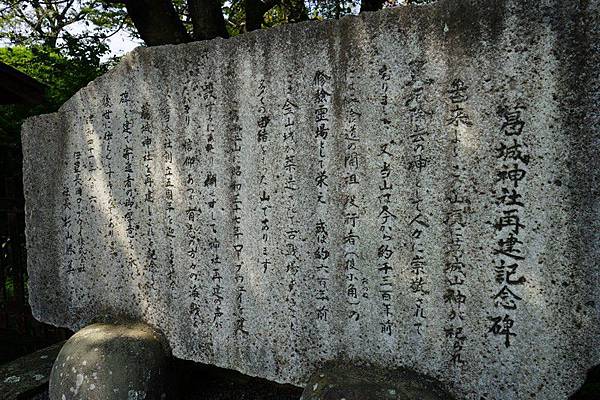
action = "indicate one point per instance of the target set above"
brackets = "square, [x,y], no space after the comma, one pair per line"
[410,188]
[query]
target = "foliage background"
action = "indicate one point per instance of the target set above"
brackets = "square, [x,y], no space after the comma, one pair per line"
[63,72]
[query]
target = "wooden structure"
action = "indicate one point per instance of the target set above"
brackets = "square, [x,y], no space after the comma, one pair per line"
[19,88]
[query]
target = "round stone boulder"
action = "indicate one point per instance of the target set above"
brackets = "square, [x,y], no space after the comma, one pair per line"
[348,382]
[112,361]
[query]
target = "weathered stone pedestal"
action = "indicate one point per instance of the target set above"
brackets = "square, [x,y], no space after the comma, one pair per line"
[107,361]
[336,381]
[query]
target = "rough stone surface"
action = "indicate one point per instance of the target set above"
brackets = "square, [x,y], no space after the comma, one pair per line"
[410,188]
[336,382]
[27,375]
[109,361]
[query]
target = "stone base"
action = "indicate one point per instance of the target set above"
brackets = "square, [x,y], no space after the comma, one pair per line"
[106,361]
[335,382]
[27,377]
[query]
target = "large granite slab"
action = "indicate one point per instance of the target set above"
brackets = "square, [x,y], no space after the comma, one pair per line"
[415,187]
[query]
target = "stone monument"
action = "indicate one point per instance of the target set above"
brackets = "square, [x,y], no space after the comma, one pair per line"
[413,188]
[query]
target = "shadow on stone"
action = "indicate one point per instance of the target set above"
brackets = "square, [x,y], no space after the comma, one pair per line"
[336,382]
[590,390]
[195,381]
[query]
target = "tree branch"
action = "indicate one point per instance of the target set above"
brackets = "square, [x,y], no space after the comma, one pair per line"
[36,26]
[66,9]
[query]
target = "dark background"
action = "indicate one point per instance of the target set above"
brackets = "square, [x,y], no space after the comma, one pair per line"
[20,333]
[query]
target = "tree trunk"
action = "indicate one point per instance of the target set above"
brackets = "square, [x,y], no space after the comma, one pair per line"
[255,13]
[371,5]
[51,41]
[207,19]
[157,22]
[296,10]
